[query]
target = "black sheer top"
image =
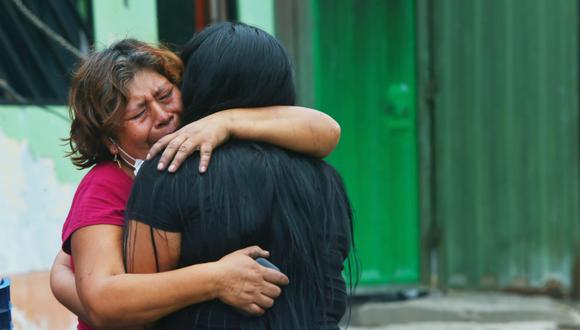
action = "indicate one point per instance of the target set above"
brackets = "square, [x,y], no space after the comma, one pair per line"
[292,205]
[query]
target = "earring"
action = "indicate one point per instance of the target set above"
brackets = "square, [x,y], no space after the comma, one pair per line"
[116,160]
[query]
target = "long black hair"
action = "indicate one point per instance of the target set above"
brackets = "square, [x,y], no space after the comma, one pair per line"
[234,65]
[253,193]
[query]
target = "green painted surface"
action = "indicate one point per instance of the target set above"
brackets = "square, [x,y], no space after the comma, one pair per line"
[364,67]
[507,140]
[259,13]
[116,19]
[42,131]
[83,7]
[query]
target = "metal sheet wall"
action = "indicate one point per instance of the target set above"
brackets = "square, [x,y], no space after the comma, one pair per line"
[506,140]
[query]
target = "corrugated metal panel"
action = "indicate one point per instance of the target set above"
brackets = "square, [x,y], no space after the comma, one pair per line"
[364,70]
[506,140]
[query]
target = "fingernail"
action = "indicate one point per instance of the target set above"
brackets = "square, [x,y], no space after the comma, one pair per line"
[148,156]
[160,166]
[202,169]
[172,168]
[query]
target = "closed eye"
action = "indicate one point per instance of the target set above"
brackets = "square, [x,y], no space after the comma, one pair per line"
[166,95]
[139,115]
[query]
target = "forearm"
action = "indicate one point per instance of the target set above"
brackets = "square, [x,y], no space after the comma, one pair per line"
[62,284]
[132,299]
[295,128]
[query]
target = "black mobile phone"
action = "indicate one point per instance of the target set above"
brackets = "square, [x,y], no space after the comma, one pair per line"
[266,263]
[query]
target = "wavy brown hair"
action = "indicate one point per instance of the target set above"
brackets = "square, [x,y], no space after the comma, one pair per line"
[98,94]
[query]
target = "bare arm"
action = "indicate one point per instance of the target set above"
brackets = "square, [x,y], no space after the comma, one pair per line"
[295,128]
[62,284]
[112,297]
[141,258]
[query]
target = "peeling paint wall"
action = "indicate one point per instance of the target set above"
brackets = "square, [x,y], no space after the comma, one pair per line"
[37,182]
[36,186]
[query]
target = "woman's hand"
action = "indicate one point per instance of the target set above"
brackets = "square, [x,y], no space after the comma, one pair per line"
[203,135]
[245,284]
[295,128]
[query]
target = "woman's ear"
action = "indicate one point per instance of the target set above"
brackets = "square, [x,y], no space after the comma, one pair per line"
[111,145]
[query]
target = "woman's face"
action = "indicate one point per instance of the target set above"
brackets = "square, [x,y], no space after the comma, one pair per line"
[153,110]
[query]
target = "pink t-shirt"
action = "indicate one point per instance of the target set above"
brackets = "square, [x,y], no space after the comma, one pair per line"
[100,199]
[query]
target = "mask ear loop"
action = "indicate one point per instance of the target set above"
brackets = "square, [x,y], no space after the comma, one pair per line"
[121,152]
[116,160]
[116,156]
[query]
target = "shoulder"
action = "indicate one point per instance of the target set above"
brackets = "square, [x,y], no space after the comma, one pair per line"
[159,198]
[152,184]
[108,172]
[149,175]
[104,179]
[99,199]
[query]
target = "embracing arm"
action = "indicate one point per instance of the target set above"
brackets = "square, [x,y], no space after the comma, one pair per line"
[112,297]
[295,128]
[143,257]
[63,286]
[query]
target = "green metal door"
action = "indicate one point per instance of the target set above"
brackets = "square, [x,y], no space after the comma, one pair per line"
[506,140]
[364,69]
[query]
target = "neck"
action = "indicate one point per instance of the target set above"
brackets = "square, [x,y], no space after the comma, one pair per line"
[124,167]
[128,170]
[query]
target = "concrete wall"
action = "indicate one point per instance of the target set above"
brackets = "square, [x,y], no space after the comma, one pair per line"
[37,182]
[259,13]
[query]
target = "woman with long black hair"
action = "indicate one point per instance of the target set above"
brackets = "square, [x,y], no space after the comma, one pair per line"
[293,205]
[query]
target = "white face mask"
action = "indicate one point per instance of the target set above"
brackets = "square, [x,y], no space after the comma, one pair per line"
[135,163]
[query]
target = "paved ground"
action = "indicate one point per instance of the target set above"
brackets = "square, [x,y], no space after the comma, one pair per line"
[35,308]
[466,326]
[467,311]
